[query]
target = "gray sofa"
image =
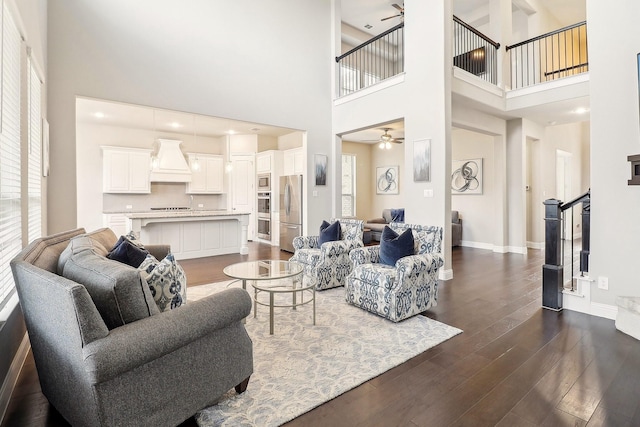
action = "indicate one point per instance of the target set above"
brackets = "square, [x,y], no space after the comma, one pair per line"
[156,369]
[456,229]
[376,225]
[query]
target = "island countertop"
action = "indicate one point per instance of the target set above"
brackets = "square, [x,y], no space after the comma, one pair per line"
[183,214]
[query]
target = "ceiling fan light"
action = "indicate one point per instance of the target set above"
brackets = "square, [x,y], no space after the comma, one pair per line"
[387,145]
[381,145]
[386,137]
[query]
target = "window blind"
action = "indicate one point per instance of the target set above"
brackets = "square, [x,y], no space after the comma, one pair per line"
[10,207]
[34,89]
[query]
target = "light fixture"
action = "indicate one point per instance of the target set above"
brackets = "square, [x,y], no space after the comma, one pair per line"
[381,145]
[387,145]
[175,125]
[581,110]
[99,115]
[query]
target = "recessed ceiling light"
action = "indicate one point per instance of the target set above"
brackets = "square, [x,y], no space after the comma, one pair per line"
[99,115]
[581,110]
[231,132]
[175,125]
[368,26]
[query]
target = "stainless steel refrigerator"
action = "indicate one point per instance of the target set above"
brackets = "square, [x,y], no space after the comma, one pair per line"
[290,210]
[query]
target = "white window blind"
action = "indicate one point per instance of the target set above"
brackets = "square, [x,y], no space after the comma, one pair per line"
[348,185]
[10,208]
[34,89]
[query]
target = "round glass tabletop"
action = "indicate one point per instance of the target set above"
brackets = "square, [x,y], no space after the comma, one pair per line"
[262,270]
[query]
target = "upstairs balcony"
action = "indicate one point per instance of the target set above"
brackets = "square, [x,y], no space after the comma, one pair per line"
[548,57]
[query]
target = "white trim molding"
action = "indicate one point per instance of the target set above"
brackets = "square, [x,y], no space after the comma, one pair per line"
[12,377]
[445,274]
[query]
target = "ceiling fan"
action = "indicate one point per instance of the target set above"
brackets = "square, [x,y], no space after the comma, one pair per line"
[386,139]
[400,9]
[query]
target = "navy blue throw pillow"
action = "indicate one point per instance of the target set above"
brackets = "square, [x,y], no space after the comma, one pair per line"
[128,253]
[394,246]
[329,232]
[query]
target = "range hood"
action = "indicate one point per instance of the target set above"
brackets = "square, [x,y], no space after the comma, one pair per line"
[169,165]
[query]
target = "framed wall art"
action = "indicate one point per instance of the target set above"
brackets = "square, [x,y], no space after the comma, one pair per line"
[422,160]
[387,180]
[466,176]
[320,166]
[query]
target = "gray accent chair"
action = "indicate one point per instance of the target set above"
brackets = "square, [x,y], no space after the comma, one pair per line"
[376,225]
[158,370]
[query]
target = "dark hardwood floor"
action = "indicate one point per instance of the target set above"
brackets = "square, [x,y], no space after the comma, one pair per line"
[515,364]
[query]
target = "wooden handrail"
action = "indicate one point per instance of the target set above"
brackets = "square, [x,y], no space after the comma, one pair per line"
[561,30]
[368,42]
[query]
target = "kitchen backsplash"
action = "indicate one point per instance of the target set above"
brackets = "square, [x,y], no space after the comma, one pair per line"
[162,195]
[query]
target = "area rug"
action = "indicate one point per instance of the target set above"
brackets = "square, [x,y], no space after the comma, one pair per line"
[302,366]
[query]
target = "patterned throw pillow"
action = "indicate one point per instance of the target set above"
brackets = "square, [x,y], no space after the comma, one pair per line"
[329,232]
[167,281]
[394,246]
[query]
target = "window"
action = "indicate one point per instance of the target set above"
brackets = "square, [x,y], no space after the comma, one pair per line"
[348,185]
[10,197]
[34,108]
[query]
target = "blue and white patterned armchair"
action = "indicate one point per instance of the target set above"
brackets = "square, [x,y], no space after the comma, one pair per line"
[328,265]
[404,290]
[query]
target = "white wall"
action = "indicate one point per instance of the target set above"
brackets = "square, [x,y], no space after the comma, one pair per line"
[476,211]
[263,62]
[393,157]
[424,101]
[614,42]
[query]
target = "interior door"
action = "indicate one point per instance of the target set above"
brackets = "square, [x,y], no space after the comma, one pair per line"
[243,190]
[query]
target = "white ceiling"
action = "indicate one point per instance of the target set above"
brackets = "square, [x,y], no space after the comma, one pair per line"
[167,121]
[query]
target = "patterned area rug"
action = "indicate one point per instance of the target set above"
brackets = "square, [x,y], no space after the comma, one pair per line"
[302,366]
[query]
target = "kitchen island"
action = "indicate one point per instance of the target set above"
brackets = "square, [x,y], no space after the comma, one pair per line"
[193,233]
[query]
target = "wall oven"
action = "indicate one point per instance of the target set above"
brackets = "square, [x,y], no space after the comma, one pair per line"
[264,215]
[264,182]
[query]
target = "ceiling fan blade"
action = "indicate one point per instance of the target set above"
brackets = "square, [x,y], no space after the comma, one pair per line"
[400,8]
[389,17]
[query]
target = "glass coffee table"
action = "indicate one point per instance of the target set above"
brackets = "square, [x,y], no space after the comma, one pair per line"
[274,277]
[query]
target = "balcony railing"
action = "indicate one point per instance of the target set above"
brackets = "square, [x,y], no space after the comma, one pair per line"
[557,255]
[551,56]
[474,52]
[371,62]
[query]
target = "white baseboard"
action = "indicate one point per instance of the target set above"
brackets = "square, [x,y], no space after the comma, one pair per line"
[535,245]
[12,378]
[445,274]
[494,248]
[580,301]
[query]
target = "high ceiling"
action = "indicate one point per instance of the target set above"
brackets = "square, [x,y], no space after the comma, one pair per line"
[360,13]
[102,112]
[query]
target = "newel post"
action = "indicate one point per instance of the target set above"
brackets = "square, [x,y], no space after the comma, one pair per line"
[552,273]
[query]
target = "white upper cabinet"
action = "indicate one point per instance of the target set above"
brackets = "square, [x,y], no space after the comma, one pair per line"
[126,170]
[264,162]
[207,174]
[293,162]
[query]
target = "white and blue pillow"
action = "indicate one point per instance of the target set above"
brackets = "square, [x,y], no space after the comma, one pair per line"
[167,281]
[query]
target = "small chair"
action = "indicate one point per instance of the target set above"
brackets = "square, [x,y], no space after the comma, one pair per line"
[404,290]
[328,265]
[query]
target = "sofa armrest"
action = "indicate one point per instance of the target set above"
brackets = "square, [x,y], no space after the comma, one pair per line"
[365,255]
[158,251]
[145,340]
[305,242]
[416,264]
[376,221]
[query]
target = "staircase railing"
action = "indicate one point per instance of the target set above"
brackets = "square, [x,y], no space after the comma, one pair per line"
[554,55]
[474,52]
[372,61]
[553,282]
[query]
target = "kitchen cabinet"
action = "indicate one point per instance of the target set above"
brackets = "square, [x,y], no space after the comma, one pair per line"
[208,177]
[117,222]
[293,162]
[126,170]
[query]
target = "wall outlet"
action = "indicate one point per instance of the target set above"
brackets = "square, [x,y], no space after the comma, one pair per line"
[603,283]
[428,192]
[129,206]
[200,205]
[315,193]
